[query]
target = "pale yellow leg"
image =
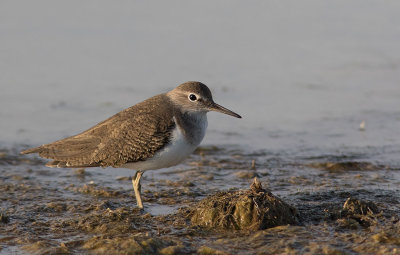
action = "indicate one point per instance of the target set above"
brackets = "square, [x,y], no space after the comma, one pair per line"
[137,188]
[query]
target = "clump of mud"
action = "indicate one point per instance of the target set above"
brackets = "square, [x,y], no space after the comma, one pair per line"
[345,166]
[357,212]
[355,206]
[4,218]
[253,209]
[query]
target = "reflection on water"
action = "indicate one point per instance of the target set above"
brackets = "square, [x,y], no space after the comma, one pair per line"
[161,209]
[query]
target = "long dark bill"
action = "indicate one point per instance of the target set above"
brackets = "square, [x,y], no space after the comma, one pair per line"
[218,108]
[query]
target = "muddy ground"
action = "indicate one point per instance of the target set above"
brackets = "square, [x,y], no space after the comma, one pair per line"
[336,204]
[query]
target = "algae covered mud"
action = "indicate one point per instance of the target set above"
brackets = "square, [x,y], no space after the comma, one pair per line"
[205,206]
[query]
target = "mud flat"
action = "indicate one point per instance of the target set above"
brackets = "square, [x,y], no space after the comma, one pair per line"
[203,207]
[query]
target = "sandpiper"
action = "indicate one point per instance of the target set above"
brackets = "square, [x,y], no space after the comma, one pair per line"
[157,133]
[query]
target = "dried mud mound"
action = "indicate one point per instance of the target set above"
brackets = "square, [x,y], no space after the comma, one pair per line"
[253,209]
[357,213]
[354,206]
[346,166]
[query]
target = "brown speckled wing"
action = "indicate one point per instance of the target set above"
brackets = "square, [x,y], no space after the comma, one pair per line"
[132,135]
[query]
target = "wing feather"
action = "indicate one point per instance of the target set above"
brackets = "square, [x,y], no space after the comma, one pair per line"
[135,134]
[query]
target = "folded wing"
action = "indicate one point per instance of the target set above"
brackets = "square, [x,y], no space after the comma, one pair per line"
[132,135]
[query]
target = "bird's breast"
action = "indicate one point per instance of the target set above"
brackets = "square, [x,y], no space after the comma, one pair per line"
[172,154]
[185,137]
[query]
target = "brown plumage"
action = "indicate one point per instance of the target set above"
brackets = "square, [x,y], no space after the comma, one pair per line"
[158,132]
[131,135]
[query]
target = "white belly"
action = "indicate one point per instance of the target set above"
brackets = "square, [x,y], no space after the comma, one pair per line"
[177,150]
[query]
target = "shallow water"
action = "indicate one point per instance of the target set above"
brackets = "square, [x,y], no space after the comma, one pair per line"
[304,76]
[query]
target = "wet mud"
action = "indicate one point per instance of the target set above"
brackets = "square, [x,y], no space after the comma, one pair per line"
[208,205]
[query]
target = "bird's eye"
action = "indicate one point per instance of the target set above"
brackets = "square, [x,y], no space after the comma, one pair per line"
[192,97]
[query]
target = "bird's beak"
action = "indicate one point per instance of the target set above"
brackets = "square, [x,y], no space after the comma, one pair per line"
[218,108]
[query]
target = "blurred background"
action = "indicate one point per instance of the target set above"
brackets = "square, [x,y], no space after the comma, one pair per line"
[303,74]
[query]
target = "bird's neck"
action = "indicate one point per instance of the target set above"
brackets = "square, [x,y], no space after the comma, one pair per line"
[193,125]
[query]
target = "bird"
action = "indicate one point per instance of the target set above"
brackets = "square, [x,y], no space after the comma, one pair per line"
[156,133]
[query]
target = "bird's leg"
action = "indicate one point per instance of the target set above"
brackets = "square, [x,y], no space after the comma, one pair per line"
[137,188]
